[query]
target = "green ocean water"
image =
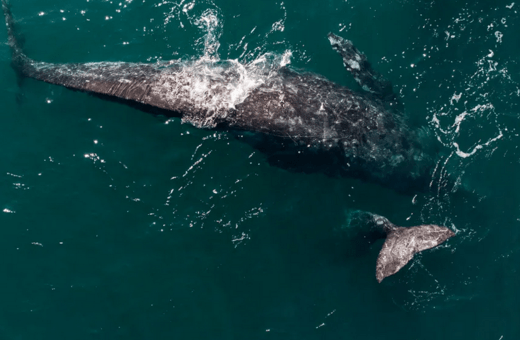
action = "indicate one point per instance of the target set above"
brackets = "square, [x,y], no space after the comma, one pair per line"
[116,224]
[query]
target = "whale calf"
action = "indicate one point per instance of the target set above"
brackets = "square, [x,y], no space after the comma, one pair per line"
[301,113]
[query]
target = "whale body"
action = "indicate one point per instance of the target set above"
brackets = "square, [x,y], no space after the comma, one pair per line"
[301,113]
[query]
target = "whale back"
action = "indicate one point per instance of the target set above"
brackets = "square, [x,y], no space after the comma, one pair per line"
[303,112]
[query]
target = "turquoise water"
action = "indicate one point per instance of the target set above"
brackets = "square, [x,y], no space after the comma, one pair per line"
[117,224]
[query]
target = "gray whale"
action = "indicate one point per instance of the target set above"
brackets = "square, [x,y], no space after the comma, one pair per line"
[304,113]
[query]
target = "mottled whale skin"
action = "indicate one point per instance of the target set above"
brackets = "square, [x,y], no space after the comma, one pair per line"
[401,243]
[304,113]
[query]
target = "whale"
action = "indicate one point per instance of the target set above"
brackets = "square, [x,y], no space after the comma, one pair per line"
[302,119]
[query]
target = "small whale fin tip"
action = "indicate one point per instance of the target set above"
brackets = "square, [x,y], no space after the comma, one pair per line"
[357,64]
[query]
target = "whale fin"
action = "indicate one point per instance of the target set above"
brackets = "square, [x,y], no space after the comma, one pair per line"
[403,243]
[357,64]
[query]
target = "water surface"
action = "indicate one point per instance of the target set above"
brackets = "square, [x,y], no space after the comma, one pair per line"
[120,224]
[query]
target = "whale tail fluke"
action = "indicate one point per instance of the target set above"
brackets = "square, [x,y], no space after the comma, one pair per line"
[18,59]
[9,22]
[403,243]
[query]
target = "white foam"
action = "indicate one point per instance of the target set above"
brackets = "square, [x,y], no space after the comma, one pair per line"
[216,86]
[286,58]
[499,35]
[463,154]
[455,98]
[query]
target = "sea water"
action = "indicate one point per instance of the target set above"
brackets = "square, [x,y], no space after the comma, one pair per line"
[116,224]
